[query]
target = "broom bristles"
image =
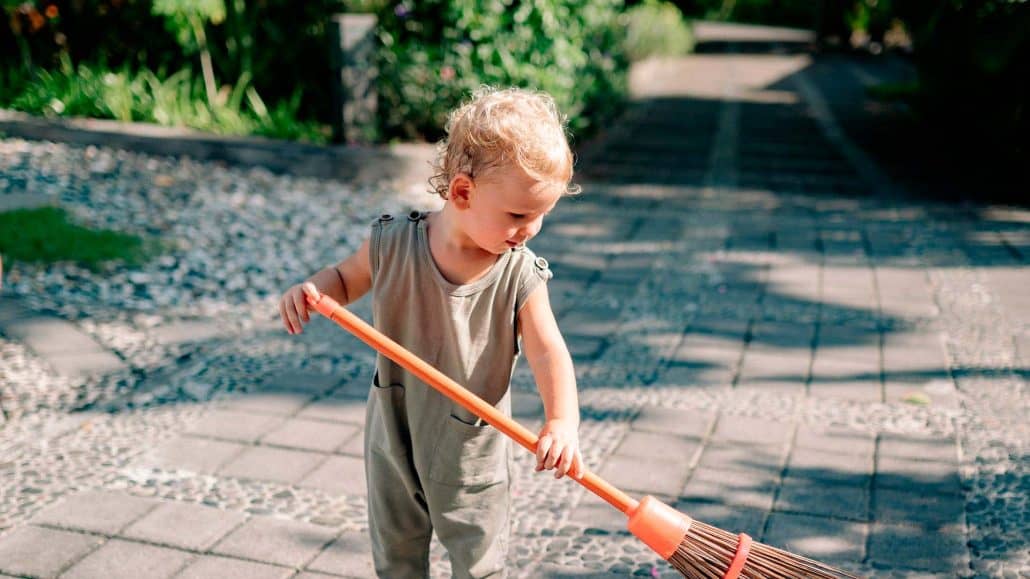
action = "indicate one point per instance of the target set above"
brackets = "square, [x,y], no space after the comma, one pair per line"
[706,553]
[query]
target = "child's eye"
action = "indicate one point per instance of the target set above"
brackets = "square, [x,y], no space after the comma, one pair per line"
[517,215]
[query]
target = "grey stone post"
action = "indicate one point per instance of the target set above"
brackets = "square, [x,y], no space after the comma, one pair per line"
[352,56]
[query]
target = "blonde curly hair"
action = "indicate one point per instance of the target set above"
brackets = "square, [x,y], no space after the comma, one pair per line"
[500,128]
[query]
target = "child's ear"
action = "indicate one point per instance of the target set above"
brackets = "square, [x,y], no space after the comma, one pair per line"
[460,192]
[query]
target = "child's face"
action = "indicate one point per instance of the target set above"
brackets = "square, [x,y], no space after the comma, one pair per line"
[506,208]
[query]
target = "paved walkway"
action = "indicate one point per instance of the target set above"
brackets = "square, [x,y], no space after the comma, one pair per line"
[768,335]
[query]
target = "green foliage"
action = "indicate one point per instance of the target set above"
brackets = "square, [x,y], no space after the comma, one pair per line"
[282,121]
[177,100]
[13,81]
[82,92]
[434,52]
[96,56]
[280,44]
[797,13]
[971,56]
[48,235]
[656,28]
[182,14]
[893,91]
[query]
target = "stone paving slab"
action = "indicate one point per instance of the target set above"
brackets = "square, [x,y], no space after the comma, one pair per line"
[273,464]
[931,511]
[804,496]
[310,435]
[673,422]
[66,348]
[339,475]
[838,440]
[735,519]
[187,331]
[294,381]
[752,489]
[274,541]
[914,548]
[43,552]
[349,554]
[50,335]
[118,559]
[918,448]
[228,425]
[207,567]
[336,409]
[96,512]
[765,458]
[278,402]
[594,513]
[86,363]
[659,446]
[901,474]
[184,526]
[197,455]
[659,477]
[828,540]
[830,467]
[749,430]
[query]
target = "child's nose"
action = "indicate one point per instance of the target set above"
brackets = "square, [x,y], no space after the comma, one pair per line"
[532,228]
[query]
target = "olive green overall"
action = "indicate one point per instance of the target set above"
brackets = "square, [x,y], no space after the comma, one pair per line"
[430,464]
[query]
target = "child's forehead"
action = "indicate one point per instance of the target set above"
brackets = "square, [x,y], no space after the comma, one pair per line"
[541,197]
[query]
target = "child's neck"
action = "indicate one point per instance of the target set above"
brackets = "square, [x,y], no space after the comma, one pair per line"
[457,257]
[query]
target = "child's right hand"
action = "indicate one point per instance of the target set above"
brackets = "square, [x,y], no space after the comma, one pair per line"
[294,308]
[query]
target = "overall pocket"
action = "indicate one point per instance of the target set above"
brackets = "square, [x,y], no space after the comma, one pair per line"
[386,430]
[468,454]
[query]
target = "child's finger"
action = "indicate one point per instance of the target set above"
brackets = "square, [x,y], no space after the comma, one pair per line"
[284,316]
[291,314]
[543,446]
[301,305]
[310,290]
[565,463]
[577,465]
[554,455]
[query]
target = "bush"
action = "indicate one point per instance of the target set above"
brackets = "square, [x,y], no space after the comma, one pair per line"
[656,28]
[971,57]
[435,52]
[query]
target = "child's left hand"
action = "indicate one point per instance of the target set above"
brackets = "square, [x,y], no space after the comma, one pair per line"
[558,448]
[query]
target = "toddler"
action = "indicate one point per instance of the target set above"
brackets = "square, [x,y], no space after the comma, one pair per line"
[460,289]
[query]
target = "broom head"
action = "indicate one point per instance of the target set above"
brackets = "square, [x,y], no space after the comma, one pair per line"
[701,551]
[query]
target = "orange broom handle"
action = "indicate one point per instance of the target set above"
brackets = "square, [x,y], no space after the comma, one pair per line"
[331,309]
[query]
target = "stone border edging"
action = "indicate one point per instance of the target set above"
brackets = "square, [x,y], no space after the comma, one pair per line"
[344,162]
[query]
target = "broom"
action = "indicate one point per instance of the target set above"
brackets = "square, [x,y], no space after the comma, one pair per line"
[695,549]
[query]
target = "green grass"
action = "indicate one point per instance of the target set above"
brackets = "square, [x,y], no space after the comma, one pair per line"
[89,90]
[47,235]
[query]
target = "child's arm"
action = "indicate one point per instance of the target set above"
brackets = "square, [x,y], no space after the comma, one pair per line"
[345,282]
[549,359]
